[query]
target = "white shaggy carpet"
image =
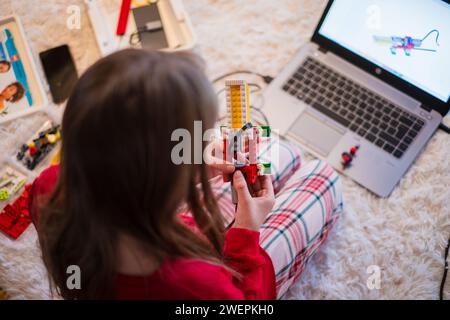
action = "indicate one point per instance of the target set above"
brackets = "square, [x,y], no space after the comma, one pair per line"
[404,235]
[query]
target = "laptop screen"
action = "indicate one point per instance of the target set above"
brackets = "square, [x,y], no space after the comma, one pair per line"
[410,39]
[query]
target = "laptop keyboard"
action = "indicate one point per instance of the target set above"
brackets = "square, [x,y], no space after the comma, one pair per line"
[362,111]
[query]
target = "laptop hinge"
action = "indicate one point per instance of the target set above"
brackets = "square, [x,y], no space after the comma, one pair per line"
[426,108]
[323,50]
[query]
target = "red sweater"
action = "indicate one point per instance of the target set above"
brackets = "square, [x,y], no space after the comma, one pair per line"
[184,278]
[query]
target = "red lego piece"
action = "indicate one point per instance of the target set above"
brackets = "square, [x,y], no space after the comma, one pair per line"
[224,149]
[250,173]
[32,151]
[226,177]
[15,218]
[347,157]
[353,150]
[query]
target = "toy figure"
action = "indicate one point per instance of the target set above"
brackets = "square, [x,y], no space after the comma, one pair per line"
[241,139]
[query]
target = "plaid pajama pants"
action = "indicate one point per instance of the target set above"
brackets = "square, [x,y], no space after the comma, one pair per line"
[308,203]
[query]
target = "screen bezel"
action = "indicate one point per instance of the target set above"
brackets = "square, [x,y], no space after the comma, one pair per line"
[428,100]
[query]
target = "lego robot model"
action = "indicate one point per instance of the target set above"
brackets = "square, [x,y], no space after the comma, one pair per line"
[406,43]
[241,138]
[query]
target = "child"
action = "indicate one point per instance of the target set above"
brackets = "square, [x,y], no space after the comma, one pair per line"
[139,226]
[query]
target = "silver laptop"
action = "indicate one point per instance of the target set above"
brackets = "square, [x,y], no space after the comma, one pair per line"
[376,74]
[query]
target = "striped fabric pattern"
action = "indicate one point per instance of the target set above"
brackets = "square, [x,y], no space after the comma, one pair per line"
[308,203]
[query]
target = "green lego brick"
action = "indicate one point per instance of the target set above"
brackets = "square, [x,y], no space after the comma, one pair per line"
[4,194]
[266,168]
[19,185]
[265,131]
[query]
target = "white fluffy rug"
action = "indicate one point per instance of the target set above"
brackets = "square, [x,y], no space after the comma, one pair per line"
[403,235]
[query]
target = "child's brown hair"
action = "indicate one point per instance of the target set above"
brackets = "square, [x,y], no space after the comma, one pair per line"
[116,174]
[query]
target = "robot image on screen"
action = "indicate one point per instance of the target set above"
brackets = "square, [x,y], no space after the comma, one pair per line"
[407,43]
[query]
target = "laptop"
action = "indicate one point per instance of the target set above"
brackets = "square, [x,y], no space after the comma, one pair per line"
[375,74]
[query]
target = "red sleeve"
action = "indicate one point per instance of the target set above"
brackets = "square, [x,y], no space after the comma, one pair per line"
[244,254]
[41,189]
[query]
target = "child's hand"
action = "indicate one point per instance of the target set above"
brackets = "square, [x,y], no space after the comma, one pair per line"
[252,210]
[221,167]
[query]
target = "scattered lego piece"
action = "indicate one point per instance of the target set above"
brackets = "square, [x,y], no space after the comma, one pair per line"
[32,153]
[19,186]
[32,150]
[353,150]
[56,158]
[52,138]
[11,182]
[4,194]
[347,157]
[15,218]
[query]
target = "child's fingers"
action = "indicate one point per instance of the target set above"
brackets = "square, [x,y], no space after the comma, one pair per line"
[217,147]
[240,185]
[224,167]
[255,188]
[266,185]
[218,163]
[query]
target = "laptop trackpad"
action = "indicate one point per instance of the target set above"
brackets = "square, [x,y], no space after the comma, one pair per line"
[317,134]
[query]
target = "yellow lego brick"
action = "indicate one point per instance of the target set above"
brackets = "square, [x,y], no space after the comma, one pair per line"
[247,95]
[238,103]
[56,158]
[236,107]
